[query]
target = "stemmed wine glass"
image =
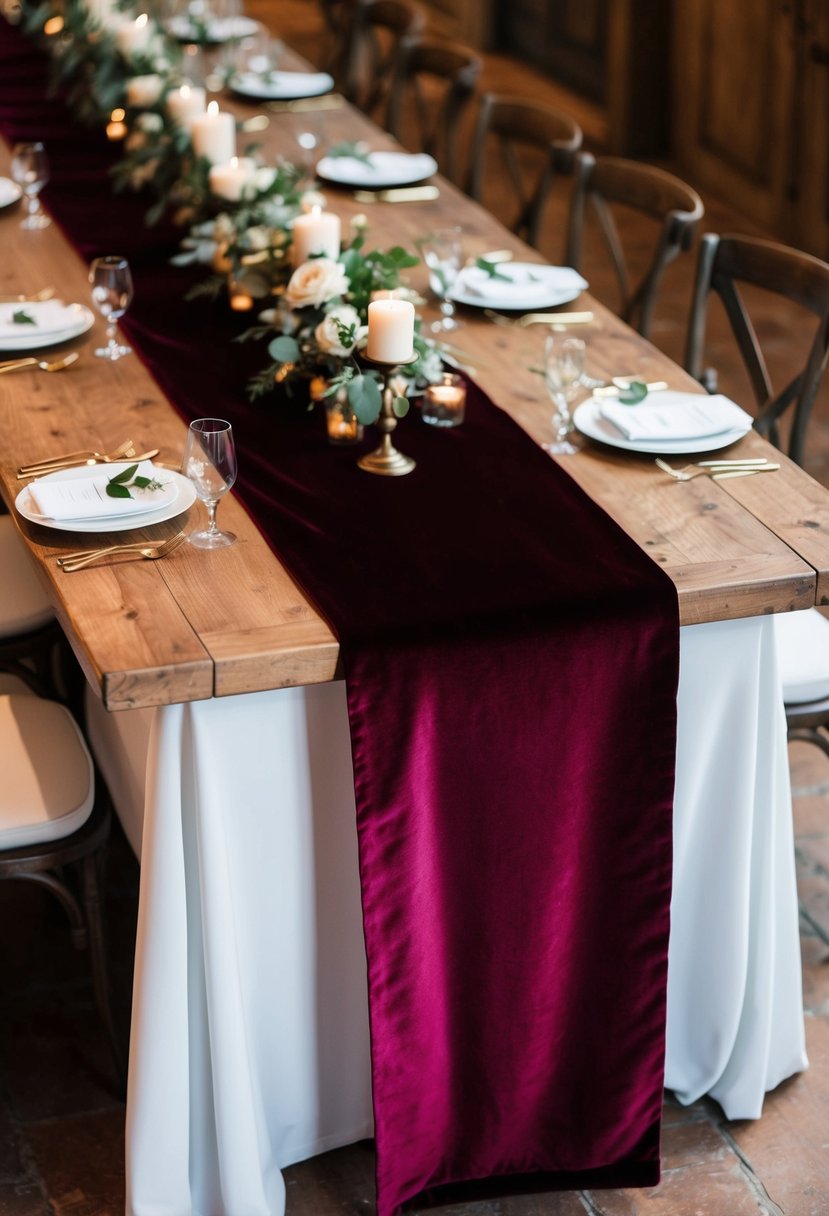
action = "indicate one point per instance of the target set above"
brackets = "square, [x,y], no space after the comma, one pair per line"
[111,294]
[442,253]
[210,462]
[30,169]
[564,372]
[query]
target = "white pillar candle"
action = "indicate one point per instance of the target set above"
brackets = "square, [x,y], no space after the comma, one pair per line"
[186,103]
[390,331]
[214,135]
[143,91]
[133,36]
[316,234]
[229,181]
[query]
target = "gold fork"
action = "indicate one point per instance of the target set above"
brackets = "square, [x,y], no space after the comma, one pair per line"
[718,469]
[144,551]
[58,365]
[125,451]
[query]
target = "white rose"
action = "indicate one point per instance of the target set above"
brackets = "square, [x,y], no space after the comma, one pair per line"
[258,237]
[310,199]
[316,282]
[327,332]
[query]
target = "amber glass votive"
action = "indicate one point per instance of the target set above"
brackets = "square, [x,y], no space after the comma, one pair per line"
[444,403]
[341,422]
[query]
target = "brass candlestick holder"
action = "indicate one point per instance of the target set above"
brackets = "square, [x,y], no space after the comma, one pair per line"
[386,460]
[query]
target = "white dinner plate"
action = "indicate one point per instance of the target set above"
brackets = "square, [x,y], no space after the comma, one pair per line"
[281,86]
[79,319]
[10,192]
[588,419]
[184,498]
[216,30]
[382,170]
[547,287]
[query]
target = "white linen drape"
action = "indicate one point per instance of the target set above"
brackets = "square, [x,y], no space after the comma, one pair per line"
[250,1036]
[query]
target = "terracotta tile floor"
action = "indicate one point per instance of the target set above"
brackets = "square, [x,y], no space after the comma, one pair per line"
[61,1124]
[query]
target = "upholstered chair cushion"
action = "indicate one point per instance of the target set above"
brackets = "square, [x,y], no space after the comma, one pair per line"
[48,785]
[803,652]
[24,605]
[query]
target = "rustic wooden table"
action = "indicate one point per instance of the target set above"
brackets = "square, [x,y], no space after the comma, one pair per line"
[187,628]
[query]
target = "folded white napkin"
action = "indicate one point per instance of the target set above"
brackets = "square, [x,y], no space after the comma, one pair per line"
[519,282]
[49,317]
[523,282]
[85,497]
[672,415]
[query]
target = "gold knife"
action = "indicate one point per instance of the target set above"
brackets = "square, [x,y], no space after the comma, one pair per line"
[400,194]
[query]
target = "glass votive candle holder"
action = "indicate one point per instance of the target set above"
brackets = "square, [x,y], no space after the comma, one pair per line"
[444,403]
[341,422]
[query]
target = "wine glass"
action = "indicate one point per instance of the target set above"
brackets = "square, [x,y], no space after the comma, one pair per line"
[30,169]
[442,253]
[210,462]
[111,294]
[564,372]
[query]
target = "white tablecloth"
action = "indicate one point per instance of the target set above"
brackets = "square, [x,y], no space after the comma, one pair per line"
[250,1036]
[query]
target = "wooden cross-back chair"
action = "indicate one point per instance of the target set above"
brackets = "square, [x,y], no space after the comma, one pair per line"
[676,207]
[378,32]
[725,264]
[518,125]
[439,78]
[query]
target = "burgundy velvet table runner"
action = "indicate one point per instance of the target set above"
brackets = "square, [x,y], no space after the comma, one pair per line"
[511,660]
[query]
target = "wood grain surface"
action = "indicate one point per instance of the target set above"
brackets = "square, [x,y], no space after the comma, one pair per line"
[199,624]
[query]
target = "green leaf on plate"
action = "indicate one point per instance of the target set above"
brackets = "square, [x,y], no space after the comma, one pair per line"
[121,478]
[635,392]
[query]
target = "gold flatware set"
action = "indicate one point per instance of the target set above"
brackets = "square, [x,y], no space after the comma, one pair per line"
[328,101]
[136,549]
[398,194]
[126,451]
[56,365]
[539,318]
[718,470]
[46,293]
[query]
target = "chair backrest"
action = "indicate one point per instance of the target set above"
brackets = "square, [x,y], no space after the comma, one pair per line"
[379,29]
[666,199]
[723,263]
[439,78]
[535,142]
[340,17]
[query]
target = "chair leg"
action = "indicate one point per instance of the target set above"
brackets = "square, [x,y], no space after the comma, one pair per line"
[92,884]
[810,734]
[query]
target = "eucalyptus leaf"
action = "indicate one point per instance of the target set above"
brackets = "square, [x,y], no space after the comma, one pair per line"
[284,349]
[635,392]
[400,407]
[491,268]
[365,399]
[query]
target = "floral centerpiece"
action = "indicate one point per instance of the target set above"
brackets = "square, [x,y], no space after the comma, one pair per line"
[318,328]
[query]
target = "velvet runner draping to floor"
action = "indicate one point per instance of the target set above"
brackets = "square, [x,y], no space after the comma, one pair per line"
[511,661]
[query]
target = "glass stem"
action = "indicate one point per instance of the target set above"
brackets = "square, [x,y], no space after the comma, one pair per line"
[447,307]
[111,327]
[211,504]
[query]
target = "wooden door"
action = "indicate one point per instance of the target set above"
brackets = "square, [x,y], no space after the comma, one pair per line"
[733,74]
[811,186]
